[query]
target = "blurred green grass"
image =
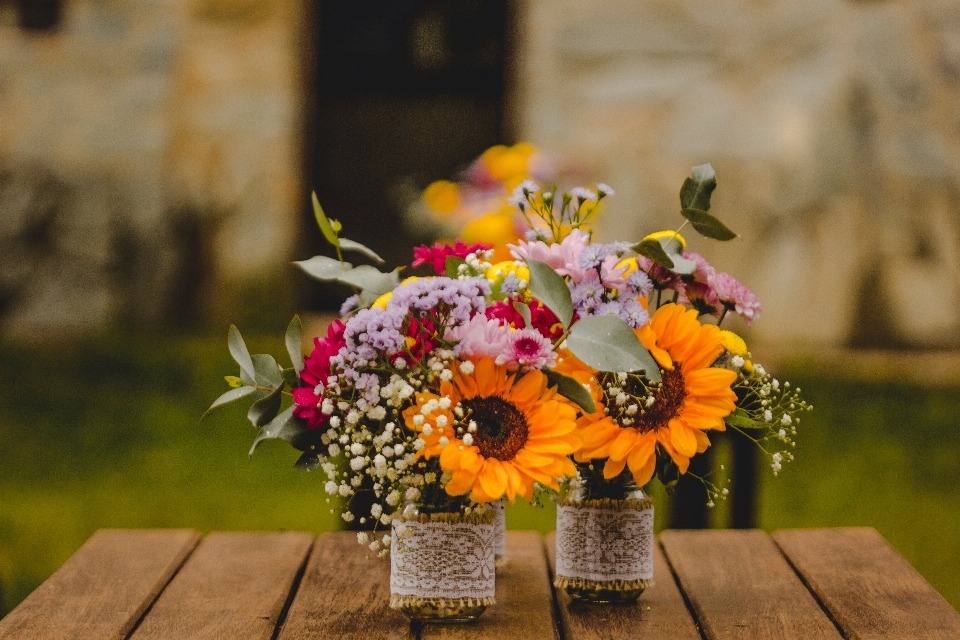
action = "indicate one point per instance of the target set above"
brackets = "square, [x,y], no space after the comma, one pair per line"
[105,433]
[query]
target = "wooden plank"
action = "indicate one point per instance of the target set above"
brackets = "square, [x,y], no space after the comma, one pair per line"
[235,585]
[740,586]
[103,589]
[342,595]
[868,588]
[524,606]
[659,614]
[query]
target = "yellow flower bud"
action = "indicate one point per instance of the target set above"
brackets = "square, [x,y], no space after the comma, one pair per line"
[442,196]
[733,343]
[667,235]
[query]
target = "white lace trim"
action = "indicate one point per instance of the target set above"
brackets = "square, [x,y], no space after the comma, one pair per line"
[604,544]
[500,528]
[442,560]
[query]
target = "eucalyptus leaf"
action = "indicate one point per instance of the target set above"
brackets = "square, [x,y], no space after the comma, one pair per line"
[739,418]
[607,343]
[654,250]
[267,371]
[228,397]
[238,349]
[370,279]
[265,409]
[323,222]
[451,265]
[294,343]
[696,190]
[323,268]
[308,461]
[352,245]
[291,429]
[571,390]
[524,312]
[551,289]
[291,378]
[708,225]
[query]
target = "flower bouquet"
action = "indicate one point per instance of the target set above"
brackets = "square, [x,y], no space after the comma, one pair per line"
[576,368]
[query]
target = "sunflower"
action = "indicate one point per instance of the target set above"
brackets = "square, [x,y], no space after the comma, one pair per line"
[496,433]
[692,397]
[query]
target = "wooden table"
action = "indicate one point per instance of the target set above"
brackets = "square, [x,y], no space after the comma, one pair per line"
[146,584]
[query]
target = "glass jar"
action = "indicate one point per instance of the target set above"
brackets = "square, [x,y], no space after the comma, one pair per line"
[604,539]
[442,565]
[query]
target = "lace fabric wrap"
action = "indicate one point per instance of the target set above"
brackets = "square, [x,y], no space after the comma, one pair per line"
[499,528]
[605,544]
[445,559]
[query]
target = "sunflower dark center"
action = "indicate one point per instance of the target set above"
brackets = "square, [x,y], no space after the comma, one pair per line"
[668,397]
[502,429]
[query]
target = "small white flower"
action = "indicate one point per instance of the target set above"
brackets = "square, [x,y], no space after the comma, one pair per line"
[468,439]
[356,448]
[398,449]
[412,494]
[353,417]
[363,537]
[605,189]
[376,510]
[400,364]
[347,516]
[737,361]
[444,441]
[427,429]
[377,413]
[444,402]
[331,487]
[446,375]
[385,540]
[334,450]
[418,444]
[650,400]
[375,545]
[418,420]
[345,491]
[621,398]
[767,415]
[379,461]
[335,421]
[786,420]
[466,367]
[782,434]
[442,421]
[326,407]
[393,498]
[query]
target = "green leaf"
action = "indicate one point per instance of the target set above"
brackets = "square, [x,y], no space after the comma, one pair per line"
[323,268]
[667,470]
[291,378]
[308,461]
[607,343]
[654,250]
[571,390]
[294,344]
[708,225]
[238,349]
[548,287]
[267,371]
[323,223]
[524,312]
[351,245]
[265,409]
[287,427]
[696,190]
[739,418]
[451,265]
[229,396]
[370,279]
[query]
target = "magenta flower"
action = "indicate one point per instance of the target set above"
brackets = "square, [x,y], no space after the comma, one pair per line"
[527,349]
[438,253]
[735,296]
[316,368]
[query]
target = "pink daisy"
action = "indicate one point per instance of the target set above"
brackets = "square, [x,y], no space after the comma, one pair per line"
[479,336]
[735,296]
[527,348]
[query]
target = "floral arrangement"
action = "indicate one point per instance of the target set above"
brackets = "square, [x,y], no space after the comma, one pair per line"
[574,364]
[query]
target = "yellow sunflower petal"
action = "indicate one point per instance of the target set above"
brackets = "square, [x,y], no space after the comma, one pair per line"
[493,479]
[460,482]
[612,468]
[682,438]
[621,446]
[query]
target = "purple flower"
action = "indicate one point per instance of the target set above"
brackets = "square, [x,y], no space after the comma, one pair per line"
[349,304]
[639,283]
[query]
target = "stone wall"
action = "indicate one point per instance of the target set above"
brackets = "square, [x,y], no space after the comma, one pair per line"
[148,155]
[833,125]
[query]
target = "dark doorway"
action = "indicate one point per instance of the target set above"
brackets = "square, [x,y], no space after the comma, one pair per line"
[403,91]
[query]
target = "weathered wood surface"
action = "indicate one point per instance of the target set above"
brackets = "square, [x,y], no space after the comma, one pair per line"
[869,589]
[524,606]
[103,589]
[343,595]
[659,614]
[740,586]
[235,585]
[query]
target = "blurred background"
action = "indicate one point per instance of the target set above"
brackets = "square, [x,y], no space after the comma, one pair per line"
[156,161]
